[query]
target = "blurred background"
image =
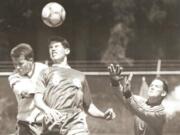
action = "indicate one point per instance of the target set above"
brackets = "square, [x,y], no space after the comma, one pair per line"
[133,33]
[97,30]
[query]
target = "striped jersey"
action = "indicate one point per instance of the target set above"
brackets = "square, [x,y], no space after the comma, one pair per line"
[26,107]
[66,89]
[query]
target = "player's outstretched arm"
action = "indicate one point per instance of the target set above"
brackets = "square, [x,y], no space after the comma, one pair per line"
[95,112]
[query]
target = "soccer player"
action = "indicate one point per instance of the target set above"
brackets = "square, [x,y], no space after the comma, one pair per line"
[150,115]
[23,81]
[63,94]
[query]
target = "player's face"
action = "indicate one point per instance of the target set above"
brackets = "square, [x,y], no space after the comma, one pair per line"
[156,89]
[22,66]
[57,51]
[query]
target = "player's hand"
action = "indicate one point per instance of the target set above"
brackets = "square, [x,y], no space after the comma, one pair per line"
[115,74]
[52,115]
[109,114]
[127,82]
[25,94]
[127,85]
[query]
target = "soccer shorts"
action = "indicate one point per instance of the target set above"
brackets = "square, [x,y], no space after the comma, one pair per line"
[26,128]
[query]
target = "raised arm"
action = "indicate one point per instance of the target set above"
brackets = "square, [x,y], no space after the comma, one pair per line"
[117,80]
[134,104]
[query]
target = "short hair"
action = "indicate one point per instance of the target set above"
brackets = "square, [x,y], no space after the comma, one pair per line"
[22,49]
[165,84]
[63,41]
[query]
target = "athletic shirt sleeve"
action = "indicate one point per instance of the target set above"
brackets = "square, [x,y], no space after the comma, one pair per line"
[87,99]
[41,82]
[152,115]
[13,79]
[21,84]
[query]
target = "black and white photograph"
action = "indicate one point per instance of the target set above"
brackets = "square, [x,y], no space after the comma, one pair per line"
[89,67]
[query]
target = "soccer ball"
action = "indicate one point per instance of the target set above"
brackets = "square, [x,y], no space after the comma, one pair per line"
[53,14]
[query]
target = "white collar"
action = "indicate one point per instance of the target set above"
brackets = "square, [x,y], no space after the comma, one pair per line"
[32,70]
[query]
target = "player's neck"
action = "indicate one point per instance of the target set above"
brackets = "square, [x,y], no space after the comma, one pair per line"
[62,63]
[30,73]
[154,101]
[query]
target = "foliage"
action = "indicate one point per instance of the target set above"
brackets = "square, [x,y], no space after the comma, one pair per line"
[154,24]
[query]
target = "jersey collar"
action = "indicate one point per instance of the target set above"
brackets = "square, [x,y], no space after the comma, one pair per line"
[61,65]
[30,74]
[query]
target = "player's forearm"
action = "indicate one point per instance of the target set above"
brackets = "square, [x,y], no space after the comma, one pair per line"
[95,112]
[39,102]
[118,91]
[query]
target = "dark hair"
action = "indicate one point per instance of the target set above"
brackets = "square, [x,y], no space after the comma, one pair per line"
[165,84]
[22,49]
[63,41]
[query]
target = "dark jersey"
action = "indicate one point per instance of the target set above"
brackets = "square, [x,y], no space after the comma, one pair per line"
[149,119]
[66,89]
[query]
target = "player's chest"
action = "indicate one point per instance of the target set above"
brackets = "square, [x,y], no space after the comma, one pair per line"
[59,79]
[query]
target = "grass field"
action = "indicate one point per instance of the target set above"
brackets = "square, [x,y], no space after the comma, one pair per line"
[103,97]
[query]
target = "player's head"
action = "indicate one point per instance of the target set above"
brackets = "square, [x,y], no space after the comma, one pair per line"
[22,58]
[158,89]
[59,48]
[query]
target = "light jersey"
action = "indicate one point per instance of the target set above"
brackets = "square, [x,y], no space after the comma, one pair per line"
[64,89]
[26,107]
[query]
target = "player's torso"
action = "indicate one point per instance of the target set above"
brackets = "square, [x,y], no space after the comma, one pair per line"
[26,107]
[143,127]
[64,88]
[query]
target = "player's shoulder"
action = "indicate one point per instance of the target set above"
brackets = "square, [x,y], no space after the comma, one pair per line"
[140,98]
[142,102]
[77,72]
[41,65]
[13,78]
[13,75]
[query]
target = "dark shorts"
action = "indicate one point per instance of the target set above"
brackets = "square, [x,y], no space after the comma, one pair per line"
[70,122]
[70,128]
[25,128]
[70,132]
